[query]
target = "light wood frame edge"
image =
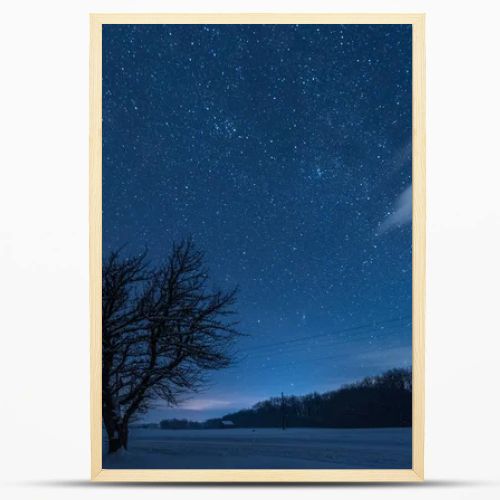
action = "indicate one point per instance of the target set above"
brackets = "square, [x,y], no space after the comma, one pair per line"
[95,243]
[419,252]
[418,245]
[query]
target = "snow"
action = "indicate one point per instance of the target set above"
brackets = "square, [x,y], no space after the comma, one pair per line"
[297,448]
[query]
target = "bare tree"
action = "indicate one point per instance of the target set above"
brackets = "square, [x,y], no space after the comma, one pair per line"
[162,330]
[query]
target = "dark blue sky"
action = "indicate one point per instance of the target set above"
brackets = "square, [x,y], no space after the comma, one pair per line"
[285,151]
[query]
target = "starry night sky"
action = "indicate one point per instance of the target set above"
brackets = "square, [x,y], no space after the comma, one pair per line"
[285,151]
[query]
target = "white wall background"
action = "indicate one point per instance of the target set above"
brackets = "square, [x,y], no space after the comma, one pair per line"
[44,362]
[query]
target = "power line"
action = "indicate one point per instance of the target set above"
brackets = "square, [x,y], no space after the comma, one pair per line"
[332,343]
[311,360]
[350,329]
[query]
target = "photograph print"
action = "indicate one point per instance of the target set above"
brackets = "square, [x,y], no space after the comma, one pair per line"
[257,246]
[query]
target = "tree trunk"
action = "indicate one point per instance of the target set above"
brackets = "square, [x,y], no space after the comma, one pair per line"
[124,435]
[117,437]
[114,444]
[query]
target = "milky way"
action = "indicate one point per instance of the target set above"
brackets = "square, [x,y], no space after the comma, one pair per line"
[285,151]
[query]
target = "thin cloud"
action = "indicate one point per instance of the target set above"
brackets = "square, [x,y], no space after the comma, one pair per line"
[400,215]
[204,404]
[219,402]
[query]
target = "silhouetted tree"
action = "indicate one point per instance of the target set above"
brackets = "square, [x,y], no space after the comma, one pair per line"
[162,329]
[381,401]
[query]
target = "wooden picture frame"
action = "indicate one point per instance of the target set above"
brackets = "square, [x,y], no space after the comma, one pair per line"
[418,284]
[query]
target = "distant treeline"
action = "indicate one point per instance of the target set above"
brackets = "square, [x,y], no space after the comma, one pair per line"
[182,423]
[380,401]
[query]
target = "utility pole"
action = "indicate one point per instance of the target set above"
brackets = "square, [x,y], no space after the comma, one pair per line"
[283,416]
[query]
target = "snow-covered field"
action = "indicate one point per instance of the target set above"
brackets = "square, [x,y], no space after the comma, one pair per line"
[304,448]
